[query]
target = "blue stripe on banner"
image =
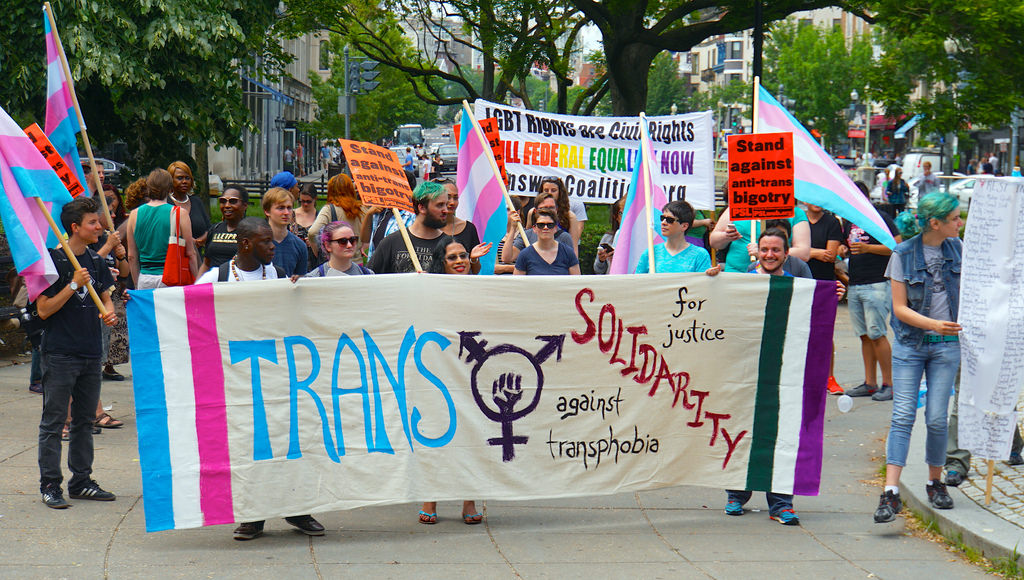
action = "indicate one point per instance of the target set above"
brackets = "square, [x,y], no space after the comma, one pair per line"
[150,412]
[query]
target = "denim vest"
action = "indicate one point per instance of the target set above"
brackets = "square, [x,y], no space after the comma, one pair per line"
[918,284]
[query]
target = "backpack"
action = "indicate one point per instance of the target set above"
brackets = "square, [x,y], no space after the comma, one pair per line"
[224,269]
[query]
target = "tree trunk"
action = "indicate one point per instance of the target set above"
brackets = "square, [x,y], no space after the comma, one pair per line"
[628,66]
[202,176]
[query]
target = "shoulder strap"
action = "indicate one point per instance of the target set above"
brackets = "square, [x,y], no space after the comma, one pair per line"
[334,212]
[222,271]
[280,272]
[320,269]
[364,269]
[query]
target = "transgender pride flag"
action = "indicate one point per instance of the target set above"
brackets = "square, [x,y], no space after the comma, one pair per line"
[819,181]
[632,238]
[24,174]
[481,197]
[61,119]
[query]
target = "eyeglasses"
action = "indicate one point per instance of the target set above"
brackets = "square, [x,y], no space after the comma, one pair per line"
[459,256]
[230,201]
[545,225]
[669,219]
[305,201]
[346,241]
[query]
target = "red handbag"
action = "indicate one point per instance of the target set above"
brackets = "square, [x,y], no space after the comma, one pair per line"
[177,271]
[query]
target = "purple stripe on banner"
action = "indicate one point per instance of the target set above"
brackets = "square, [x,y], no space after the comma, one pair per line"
[807,479]
[211,414]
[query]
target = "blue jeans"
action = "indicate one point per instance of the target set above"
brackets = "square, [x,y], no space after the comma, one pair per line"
[777,502]
[36,372]
[938,362]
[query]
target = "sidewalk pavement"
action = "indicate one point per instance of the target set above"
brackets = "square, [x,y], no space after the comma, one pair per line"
[678,532]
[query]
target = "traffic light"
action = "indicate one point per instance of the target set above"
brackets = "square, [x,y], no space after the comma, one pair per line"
[361,74]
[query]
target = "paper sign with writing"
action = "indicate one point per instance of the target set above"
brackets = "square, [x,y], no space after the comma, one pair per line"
[420,391]
[377,175]
[490,128]
[65,173]
[761,176]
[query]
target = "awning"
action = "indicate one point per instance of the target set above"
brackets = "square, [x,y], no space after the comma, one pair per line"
[884,123]
[901,133]
[272,93]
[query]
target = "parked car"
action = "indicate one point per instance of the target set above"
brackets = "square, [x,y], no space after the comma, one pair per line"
[114,172]
[913,163]
[963,189]
[449,158]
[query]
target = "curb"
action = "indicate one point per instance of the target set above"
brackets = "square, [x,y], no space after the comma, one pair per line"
[968,522]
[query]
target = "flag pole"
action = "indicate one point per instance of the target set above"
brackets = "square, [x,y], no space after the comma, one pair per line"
[494,166]
[757,109]
[71,255]
[645,177]
[81,119]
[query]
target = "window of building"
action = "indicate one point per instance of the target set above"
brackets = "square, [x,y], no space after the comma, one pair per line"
[325,55]
[736,50]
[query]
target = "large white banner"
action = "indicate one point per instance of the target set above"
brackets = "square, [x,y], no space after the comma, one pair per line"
[265,399]
[992,316]
[594,156]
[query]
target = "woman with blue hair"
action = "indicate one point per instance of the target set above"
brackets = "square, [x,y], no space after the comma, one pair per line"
[925,276]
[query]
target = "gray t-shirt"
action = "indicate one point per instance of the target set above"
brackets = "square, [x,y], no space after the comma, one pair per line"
[324,270]
[933,260]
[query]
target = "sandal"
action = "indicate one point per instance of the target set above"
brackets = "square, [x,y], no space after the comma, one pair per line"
[429,519]
[472,519]
[108,422]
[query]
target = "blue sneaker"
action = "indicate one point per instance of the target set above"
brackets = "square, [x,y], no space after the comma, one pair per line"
[787,518]
[733,508]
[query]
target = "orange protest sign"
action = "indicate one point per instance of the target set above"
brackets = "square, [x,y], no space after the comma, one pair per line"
[65,173]
[490,127]
[761,176]
[377,175]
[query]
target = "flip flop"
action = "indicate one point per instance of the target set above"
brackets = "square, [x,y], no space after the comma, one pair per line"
[429,519]
[108,422]
[472,519]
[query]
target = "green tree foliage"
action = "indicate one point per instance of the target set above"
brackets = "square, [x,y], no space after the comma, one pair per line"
[378,112]
[666,86]
[158,74]
[818,70]
[967,55]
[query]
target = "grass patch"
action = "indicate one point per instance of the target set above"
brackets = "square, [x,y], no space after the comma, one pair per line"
[928,528]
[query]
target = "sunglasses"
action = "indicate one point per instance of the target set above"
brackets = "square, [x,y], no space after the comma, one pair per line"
[305,201]
[545,225]
[459,256]
[346,241]
[230,201]
[669,219]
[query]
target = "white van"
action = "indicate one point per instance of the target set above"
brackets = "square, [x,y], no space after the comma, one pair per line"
[913,161]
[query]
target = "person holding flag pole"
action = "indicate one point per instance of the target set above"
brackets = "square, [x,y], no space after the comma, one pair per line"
[60,126]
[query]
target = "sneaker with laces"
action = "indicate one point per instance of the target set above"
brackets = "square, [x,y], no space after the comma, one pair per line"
[733,508]
[888,506]
[883,394]
[938,496]
[954,477]
[53,497]
[862,390]
[249,531]
[91,490]
[833,386]
[787,517]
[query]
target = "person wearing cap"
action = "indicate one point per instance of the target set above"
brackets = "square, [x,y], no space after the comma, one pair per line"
[286,180]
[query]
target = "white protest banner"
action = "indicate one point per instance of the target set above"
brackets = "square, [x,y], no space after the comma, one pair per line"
[423,387]
[992,316]
[594,156]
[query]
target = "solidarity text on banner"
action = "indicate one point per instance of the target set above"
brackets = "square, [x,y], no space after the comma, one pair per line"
[416,393]
[992,316]
[594,155]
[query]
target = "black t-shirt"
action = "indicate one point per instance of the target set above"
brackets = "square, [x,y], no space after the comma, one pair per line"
[866,268]
[825,230]
[392,257]
[75,328]
[468,237]
[221,245]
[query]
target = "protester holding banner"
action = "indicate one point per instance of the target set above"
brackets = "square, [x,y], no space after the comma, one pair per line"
[339,243]
[149,228]
[677,254]
[289,251]
[462,230]
[182,195]
[606,247]
[343,204]
[234,202]
[736,237]
[71,350]
[925,275]
[430,202]
[546,257]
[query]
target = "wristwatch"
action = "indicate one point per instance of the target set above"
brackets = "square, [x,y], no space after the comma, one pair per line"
[73,286]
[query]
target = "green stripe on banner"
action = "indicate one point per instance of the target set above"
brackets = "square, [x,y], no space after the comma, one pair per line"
[769,371]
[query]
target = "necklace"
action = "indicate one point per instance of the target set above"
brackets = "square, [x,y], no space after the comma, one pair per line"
[238,278]
[181,201]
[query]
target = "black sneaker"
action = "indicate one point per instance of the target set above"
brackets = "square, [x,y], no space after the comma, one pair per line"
[954,478]
[53,497]
[938,496]
[91,490]
[249,530]
[307,525]
[883,394]
[1015,459]
[862,390]
[888,506]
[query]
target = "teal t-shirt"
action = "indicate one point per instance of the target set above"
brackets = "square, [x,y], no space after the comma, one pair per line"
[692,259]
[738,260]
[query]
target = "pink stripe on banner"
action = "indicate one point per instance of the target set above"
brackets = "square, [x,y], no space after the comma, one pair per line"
[20,152]
[57,106]
[211,414]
